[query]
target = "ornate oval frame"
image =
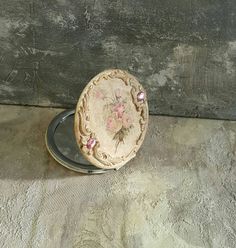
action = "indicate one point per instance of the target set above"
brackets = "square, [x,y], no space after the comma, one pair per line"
[96,155]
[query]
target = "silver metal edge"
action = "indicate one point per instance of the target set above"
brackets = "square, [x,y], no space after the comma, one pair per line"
[57,155]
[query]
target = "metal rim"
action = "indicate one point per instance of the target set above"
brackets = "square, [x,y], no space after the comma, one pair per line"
[58,156]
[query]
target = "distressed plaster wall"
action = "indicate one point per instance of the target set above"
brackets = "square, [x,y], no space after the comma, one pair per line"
[183,52]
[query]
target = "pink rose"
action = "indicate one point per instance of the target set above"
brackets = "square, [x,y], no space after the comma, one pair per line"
[119,109]
[113,124]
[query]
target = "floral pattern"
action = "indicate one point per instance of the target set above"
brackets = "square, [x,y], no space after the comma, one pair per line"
[117,115]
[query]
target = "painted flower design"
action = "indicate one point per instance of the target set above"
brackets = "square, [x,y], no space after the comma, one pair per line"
[99,94]
[117,115]
[126,120]
[113,124]
[119,109]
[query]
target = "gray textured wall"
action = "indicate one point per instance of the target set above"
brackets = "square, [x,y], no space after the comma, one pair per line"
[183,51]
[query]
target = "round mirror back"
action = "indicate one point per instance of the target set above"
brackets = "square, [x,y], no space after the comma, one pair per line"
[111,119]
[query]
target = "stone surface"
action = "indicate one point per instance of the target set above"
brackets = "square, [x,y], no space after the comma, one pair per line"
[180,190]
[183,51]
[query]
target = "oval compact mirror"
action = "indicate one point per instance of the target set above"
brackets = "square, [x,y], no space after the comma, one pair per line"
[108,125]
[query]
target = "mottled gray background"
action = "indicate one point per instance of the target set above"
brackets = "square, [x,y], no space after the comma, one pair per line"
[183,51]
